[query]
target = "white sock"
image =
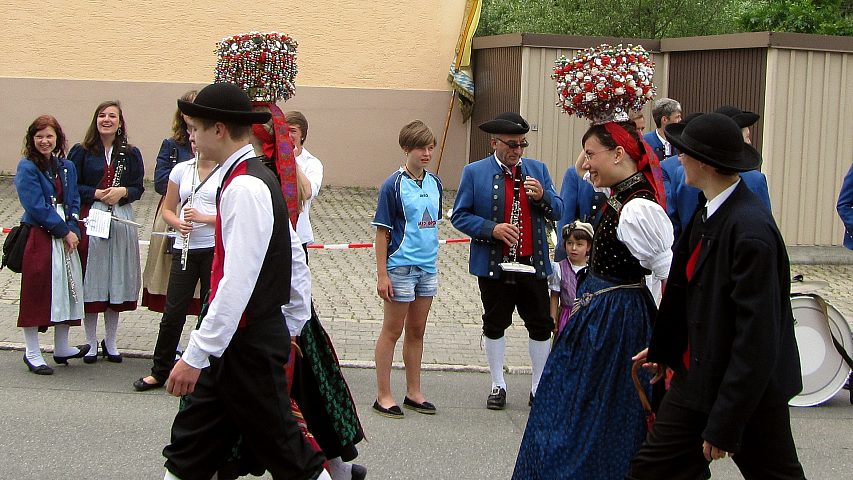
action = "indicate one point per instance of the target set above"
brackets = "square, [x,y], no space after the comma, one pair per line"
[33,352]
[495,354]
[90,326]
[110,331]
[539,351]
[169,475]
[60,341]
[340,470]
[324,475]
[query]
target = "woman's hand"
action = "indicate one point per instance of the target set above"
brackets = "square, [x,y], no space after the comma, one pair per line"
[184,228]
[71,241]
[193,215]
[384,288]
[99,194]
[112,195]
[658,369]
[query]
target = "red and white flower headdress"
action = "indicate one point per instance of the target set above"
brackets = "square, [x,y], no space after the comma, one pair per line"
[262,64]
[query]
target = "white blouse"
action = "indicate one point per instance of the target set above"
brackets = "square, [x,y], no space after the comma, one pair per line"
[646,230]
[185,176]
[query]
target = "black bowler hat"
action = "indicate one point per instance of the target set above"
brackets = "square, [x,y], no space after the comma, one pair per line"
[224,102]
[509,122]
[743,118]
[716,140]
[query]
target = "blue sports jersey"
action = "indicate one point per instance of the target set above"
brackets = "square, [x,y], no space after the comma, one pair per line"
[411,212]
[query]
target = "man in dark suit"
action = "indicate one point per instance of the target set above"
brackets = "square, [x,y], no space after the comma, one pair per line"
[724,326]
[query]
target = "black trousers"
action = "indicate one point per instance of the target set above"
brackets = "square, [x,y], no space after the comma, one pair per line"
[179,294]
[243,393]
[673,449]
[528,294]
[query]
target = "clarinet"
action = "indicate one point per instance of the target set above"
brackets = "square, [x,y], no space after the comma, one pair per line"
[510,266]
[186,249]
[119,166]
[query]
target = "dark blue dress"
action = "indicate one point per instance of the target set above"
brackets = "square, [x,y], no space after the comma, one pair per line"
[587,421]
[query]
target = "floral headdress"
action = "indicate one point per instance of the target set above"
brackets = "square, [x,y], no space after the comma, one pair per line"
[262,64]
[604,82]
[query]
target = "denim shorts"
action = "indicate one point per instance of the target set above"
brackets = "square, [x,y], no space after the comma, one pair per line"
[410,281]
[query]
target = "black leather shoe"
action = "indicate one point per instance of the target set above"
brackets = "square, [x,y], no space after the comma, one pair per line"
[84,349]
[142,386]
[530,401]
[425,408]
[110,357]
[38,370]
[393,411]
[358,472]
[497,399]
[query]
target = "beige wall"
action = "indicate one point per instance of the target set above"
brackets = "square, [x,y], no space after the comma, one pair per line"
[365,69]
[808,141]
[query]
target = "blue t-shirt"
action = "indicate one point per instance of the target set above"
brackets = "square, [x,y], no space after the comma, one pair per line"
[411,212]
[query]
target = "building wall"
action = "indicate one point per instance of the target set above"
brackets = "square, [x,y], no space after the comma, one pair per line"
[365,69]
[808,141]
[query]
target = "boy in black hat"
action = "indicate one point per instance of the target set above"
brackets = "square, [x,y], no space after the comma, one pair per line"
[233,368]
[724,326]
[489,191]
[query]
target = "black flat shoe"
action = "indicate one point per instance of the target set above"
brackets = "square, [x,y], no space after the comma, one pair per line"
[38,370]
[358,472]
[392,412]
[425,407]
[497,399]
[84,349]
[110,357]
[142,386]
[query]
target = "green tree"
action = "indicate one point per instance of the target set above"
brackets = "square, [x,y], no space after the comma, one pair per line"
[826,17]
[621,18]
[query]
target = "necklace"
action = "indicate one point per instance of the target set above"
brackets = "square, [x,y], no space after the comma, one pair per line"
[413,175]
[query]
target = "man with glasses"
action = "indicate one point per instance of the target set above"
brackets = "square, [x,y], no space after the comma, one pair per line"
[503,203]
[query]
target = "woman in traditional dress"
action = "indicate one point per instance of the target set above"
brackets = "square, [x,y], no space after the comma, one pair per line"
[110,175]
[155,276]
[192,193]
[51,277]
[587,421]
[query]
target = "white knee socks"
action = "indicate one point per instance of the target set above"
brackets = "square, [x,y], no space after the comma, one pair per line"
[31,337]
[60,341]
[90,326]
[110,331]
[495,354]
[539,351]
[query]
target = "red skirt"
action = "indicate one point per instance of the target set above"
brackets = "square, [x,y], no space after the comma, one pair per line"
[36,276]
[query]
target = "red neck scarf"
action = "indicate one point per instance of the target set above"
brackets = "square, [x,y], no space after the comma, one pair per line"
[648,162]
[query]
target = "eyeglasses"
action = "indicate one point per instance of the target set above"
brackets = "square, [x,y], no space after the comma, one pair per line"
[512,144]
[589,156]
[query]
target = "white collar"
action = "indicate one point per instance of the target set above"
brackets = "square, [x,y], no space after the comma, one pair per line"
[715,203]
[662,139]
[503,167]
[240,154]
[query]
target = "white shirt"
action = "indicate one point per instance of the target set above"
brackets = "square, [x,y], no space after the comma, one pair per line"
[715,203]
[246,218]
[313,170]
[667,147]
[646,230]
[298,311]
[185,176]
[556,276]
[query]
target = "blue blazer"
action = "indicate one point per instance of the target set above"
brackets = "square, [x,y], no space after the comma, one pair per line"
[576,195]
[845,207]
[480,206]
[90,170]
[685,199]
[669,168]
[657,146]
[36,192]
[171,153]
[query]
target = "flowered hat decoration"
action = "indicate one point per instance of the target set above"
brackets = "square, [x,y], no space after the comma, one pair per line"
[603,83]
[262,64]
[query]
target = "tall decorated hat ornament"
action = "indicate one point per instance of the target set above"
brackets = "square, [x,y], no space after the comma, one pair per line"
[603,83]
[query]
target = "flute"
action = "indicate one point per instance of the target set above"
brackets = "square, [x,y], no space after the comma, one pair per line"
[186,250]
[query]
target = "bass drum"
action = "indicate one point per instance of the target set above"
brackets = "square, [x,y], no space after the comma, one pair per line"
[823,369]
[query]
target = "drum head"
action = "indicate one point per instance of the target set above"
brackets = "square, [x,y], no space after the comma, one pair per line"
[807,286]
[823,369]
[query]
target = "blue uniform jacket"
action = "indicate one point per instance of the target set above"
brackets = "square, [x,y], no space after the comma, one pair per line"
[36,192]
[657,146]
[171,153]
[480,206]
[576,194]
[845,207]
[90,170]
[685,199]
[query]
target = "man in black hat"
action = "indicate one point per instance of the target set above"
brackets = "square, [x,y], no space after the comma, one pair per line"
[232,371]
[503,203]
[724,326]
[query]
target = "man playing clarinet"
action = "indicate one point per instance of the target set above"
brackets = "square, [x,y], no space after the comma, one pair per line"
[503,203]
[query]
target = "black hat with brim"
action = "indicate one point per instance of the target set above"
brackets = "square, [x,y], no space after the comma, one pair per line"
[743,118]
[224,102]
[506,123]
[716,140]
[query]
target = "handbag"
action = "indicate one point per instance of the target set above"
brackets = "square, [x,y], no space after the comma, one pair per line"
[14,246]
